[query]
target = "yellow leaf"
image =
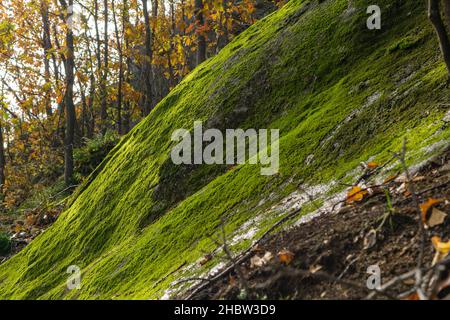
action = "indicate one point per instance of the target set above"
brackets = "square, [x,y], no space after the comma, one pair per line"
[356,194]
[441,247]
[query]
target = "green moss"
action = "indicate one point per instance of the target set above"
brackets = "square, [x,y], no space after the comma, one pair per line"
[312,70]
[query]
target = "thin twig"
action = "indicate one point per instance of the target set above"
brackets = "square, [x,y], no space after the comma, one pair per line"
[422,232]
[244,255]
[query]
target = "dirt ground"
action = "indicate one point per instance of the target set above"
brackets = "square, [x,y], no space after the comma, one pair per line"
[328,258]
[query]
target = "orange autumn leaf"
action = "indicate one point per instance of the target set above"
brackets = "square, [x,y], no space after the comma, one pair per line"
[424,207]
[286,256]
[190,28]
[413,297]
[59,99]
[373,165]
[390,178]
[356,194]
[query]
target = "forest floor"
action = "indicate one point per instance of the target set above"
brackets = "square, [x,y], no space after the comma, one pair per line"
[329,257]
[23,225]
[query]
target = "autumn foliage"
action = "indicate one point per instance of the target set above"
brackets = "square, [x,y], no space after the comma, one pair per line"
[110,68]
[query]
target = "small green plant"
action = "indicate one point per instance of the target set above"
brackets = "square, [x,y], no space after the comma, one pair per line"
[5,244]
[89,156]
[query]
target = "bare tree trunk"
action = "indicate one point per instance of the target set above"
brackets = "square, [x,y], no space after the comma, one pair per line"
[104,80]
[201,40]
[148,70]
[172,81]
[70,107]
[47,46]
[84,110]
[119,87]
[2,160]
[61,103]
[126,106]
[434,14]
[90,120]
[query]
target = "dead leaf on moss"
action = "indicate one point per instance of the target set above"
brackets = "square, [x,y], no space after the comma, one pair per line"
[373,165]
[205,259]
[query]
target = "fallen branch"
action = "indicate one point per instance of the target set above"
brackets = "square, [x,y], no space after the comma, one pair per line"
[244,255]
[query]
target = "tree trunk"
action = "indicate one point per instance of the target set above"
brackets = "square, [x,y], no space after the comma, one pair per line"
[90,120]
[47,46]
[126,106]
[446,6]
[2,163]
[70,107]
[201,40]
[148,70]
[119,87]
[104,102]
[434,15]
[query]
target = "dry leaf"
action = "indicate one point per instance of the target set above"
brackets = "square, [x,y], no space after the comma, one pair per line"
[257,262]
[315,269]
[390,178]
[426,206]
[373,165]
[205,259]
[370,240]
[437,218]
[413,296]
[402,188]
[442,249]
[356,194]
[286,256]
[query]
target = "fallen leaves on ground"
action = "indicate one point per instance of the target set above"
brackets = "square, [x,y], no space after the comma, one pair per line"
[370,240]
[356,194]
[437,218]
[413,297]
[442,249]
[257,262]
[426,206]
[285,256]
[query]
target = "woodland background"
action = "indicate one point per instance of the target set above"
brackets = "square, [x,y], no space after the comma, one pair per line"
[77,75]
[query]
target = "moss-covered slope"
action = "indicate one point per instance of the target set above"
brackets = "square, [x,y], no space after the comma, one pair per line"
[339,93]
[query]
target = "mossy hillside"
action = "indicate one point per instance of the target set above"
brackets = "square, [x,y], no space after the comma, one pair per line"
[335,90]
